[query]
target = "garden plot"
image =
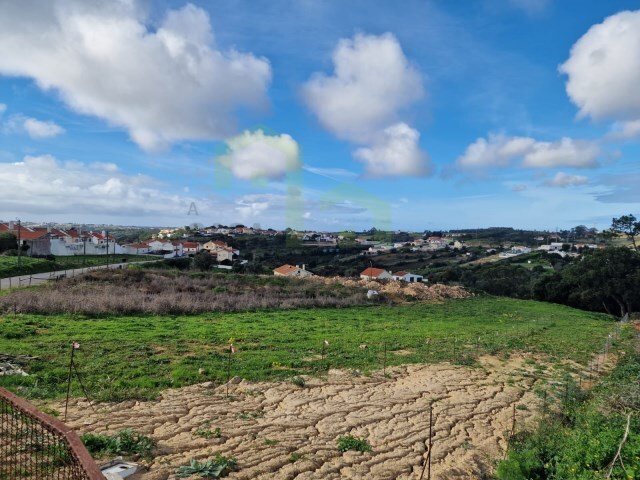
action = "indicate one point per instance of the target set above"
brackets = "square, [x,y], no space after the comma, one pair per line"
[285,431]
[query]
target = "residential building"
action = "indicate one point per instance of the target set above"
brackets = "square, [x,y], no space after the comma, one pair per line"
[407,277]
[373,273]
[292,271]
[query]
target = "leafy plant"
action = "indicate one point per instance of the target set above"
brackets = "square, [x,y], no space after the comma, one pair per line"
[295,456]
[126,442]
[350,442]
[204,431]
[218,467]
[298,381]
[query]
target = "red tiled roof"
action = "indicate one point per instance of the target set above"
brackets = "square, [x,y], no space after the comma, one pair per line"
[26,233]
[373,272]
[190,244]
[285,269]
[400,274]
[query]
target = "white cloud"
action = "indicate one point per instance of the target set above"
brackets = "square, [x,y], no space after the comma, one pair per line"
[502,151]
[332,173]
[256,155]
[496,151]
[518,187]
[163,83]
[3,108]
[625,130]
[38,129]
[372,83]
[564,153]
[561,180]
[603,69]
[395,152]
[43,184]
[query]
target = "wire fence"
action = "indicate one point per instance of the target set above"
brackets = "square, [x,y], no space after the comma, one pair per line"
[29,280]
[35,446]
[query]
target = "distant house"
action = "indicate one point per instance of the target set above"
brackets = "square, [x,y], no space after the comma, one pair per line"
[224,254]
[407,277]
[373,273]
[135,249]
[191,247]
[292,271]
[520,250]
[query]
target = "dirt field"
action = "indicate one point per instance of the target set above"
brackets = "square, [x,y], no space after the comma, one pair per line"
[263,423]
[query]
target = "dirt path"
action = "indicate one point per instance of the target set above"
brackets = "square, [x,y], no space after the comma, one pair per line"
[263,423]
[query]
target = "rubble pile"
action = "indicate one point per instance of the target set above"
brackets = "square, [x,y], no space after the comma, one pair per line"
[400,291]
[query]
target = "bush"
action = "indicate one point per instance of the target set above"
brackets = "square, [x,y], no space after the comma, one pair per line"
[126,442]
[350,442]
[219,467]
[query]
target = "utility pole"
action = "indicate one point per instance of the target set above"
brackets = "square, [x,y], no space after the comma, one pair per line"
[19,246]
[107,239]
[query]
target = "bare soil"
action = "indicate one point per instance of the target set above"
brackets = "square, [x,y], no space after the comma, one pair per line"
[263,423]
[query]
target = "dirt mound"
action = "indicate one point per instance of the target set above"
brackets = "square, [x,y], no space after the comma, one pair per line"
[262,424]
[399,291]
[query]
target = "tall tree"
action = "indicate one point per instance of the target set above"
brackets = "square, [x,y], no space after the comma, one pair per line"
[607,279]
[627,225]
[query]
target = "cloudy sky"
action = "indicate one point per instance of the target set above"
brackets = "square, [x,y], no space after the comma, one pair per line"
[320,114]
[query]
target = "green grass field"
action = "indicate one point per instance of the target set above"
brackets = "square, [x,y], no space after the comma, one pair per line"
[136,357]
[9,265]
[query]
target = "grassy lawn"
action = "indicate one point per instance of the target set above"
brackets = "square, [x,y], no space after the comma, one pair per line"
[9,265]
[137,356]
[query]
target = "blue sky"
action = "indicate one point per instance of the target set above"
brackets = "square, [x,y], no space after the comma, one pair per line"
[321,114]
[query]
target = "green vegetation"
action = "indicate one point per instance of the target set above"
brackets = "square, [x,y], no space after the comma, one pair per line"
[124,357]
[580,440]
[350,442]
[219,467]
[204,431]
[29,265]
[126,442]
[295,456]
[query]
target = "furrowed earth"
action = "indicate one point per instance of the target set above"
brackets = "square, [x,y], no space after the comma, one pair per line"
[263,424]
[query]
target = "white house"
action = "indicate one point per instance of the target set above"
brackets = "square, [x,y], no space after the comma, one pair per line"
[373,273]
[407,277]
[520,250]
[135,249]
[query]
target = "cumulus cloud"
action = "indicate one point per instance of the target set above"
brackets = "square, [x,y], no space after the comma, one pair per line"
[603,69]
[502,151]
[395,152]
[625,130]
[561,180]
[372,81]
[162,83]
[38,129]
[496,151]
[257,155]
[43,184]
[362,102]
[564,153]
[3,108]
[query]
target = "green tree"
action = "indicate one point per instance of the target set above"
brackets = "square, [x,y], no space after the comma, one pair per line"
[627,225]
[8,241]
[203,261]
[607,279]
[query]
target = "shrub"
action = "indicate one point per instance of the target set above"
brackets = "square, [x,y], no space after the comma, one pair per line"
[350,442]
[126,442]
[219,467]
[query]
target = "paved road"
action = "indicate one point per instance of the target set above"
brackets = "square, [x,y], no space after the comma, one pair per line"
[39,278]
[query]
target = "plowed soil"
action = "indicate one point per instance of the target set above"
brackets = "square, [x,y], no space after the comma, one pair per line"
[261,424]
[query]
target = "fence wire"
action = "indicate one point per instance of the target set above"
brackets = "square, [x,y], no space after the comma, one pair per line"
[34,446]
